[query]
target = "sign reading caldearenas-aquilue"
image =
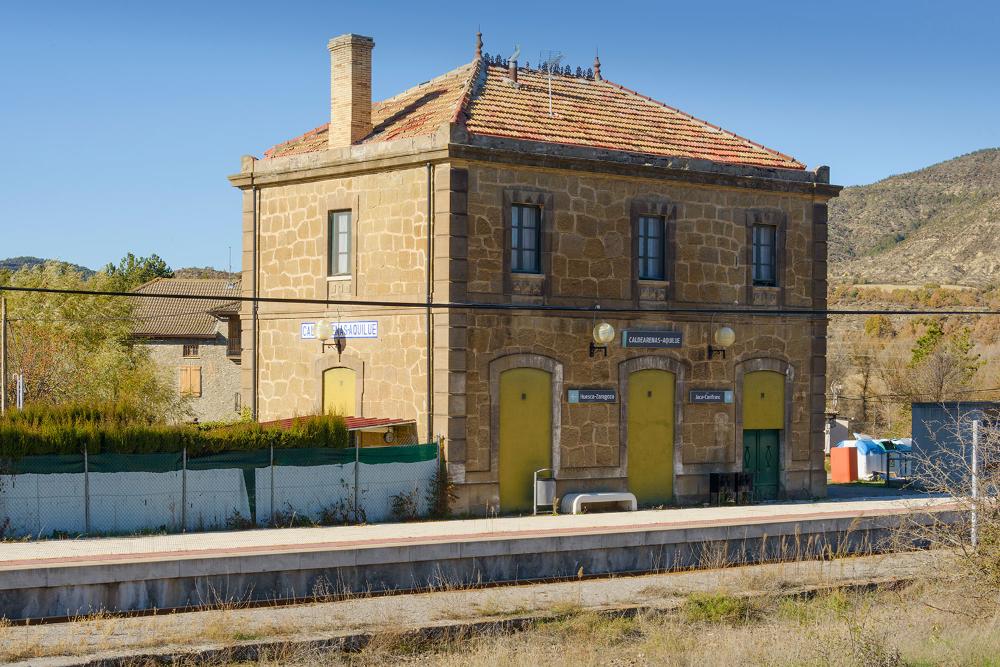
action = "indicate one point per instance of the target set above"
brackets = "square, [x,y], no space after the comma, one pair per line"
[660,339]
[365,329]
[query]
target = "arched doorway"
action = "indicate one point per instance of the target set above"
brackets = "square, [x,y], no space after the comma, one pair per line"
[763,422]
[650,406]
[339,391]
[525,438]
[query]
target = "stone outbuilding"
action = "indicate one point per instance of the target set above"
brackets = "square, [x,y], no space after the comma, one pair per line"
[195,341]
[465,237]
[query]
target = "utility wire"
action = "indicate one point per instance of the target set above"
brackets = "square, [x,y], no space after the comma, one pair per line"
[871,397]
[612,310]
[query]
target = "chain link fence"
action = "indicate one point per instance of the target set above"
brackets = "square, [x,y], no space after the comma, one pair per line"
[121,494]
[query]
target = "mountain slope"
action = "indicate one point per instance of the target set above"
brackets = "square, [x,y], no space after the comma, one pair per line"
[15,263]
[940,224]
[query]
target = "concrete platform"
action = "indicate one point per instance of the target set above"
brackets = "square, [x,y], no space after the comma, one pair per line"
[74,577]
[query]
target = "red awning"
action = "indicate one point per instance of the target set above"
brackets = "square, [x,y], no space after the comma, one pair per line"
[353,423]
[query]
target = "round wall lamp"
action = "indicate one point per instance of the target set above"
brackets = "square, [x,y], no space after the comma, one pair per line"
[326,330]
[604,333]
[723,337]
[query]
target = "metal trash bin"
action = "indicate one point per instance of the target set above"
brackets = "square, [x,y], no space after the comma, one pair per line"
[545,490]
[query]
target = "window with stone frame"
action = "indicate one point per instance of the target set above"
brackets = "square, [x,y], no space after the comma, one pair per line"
[765,256]
[651,248]
[189,350]
[339,244]
[525,238]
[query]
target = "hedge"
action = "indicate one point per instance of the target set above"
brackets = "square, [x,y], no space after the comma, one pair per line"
[123,430]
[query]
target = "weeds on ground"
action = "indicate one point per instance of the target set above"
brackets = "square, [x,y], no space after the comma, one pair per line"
[721,608]
[404,506]
[492,607]
[289,518]
[236,521]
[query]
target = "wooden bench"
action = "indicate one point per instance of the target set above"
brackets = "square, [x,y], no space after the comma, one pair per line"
[572,503]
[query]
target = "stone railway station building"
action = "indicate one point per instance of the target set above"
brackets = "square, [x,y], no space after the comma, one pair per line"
[481,187]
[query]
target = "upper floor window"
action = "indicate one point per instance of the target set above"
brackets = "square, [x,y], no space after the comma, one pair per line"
[764,255]
[339,235]
[234,345]
[652,256]
[525,238]
[190,350]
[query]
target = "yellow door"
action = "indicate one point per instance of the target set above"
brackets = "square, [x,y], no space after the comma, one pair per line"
[763,420]
[339,392]
[651,436]
[763,400]
[525,434]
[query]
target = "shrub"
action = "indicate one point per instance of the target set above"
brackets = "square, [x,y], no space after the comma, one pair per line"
[404,506]
[441,492]
[112,428]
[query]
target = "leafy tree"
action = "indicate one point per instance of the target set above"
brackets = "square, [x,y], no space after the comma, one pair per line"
[879,326]
[927,343]
[133,271]
[77,348]
[942,366]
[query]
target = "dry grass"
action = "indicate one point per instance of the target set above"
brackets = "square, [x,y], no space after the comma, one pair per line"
[103,632]
[884,628]
[751,615]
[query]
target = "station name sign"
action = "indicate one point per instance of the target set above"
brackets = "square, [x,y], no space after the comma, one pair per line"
[710,396]
[659,339]
[360,329]
[593,395]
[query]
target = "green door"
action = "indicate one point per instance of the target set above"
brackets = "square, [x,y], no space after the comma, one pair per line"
[760,456]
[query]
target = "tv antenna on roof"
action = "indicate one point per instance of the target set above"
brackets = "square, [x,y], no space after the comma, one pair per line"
[550,61]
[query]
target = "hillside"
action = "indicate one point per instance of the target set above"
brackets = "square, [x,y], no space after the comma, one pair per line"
[940,225]
[204,272]
[16,263]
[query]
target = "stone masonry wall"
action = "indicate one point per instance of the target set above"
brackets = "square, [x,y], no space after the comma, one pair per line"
[590,220]
[220,375]
[388,260]
[589,238]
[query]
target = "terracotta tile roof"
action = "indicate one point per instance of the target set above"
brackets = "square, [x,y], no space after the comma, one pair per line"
[602,114]
[193,318]
[417,112]
[588,113]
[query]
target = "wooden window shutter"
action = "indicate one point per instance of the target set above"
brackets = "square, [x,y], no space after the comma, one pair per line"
[185,381]
[195,381]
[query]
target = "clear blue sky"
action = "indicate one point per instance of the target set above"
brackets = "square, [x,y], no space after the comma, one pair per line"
[120,121]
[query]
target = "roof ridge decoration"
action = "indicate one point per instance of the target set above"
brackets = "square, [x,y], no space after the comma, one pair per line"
[699,120]
[568,70]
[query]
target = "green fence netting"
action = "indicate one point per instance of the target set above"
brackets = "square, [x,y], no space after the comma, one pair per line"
[402,454]
[170,462]
[251,458]
[313,456]
[43,465]
[246,460]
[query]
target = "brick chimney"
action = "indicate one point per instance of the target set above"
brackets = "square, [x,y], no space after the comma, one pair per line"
[350,89]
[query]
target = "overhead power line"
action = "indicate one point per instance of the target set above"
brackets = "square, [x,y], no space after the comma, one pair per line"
[871,397]
[485,306]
